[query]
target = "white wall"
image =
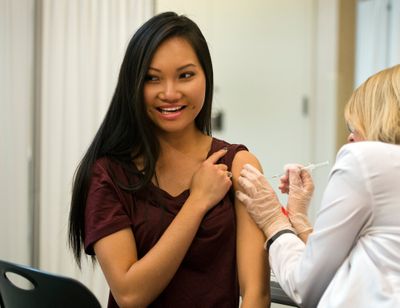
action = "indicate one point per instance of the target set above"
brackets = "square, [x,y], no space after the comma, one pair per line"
[16,103]
[325,89]
[378,37]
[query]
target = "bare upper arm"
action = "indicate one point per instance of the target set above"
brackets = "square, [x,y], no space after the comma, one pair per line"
[253,268]
[116,253]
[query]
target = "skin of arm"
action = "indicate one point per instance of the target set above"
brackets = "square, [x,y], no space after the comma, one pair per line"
[252,259]
[137,282]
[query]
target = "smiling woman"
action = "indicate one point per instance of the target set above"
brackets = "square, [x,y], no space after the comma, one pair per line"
[175,85]
[153,198]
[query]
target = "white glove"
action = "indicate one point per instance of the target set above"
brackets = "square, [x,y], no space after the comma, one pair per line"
[261,202]
[300,187]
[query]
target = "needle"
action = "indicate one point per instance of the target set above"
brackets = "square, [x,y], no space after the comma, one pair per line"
[310,167]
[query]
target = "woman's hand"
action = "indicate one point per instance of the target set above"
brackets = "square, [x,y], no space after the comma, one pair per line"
[261,201]
[300,187]
[211,181]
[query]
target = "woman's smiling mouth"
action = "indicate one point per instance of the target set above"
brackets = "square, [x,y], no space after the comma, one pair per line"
[170,110]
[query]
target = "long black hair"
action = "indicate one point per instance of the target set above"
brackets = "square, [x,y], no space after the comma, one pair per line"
[126,131]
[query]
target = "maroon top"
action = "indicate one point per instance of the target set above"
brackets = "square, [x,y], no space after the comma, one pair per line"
[207,276]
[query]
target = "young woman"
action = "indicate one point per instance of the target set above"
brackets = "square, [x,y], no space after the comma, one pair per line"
[152,198]
[351,257]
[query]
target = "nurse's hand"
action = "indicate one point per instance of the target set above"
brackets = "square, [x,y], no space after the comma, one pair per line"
[261,201]
[300,189]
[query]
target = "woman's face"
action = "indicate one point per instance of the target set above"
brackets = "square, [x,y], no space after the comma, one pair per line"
[175,86]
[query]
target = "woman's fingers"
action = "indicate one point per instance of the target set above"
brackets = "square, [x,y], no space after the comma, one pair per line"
[213,158]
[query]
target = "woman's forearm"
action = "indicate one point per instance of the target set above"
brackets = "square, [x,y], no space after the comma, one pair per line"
[146,278]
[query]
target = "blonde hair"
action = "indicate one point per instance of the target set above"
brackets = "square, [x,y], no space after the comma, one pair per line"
[374,107]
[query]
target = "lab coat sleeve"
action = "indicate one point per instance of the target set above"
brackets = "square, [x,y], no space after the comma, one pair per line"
[305,271]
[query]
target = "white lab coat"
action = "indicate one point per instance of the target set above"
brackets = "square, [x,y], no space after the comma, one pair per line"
[352,259]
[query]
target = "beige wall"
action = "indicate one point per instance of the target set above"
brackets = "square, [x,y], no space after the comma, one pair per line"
[346,63]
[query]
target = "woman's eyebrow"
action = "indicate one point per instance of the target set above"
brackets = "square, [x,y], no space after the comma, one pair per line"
[183,67]
[186,66]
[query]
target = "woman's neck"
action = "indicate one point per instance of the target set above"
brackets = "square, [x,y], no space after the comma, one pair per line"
[185,142]
[180,156]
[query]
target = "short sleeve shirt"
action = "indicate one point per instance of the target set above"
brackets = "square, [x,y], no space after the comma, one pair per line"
[207,276]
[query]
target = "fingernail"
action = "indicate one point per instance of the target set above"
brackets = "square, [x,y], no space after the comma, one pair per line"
[225,148]
[229,174]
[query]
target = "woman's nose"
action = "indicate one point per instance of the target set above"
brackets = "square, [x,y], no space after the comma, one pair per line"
[170,92]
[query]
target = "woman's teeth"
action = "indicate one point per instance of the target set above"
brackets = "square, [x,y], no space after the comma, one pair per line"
[170,110]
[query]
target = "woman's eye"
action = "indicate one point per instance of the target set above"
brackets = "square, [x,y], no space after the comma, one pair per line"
[186,75]
[151,78]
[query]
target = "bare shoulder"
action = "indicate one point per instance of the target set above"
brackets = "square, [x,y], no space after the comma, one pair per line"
[241,158]
[244,157]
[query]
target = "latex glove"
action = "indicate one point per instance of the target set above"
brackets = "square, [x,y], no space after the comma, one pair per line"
[300,189]
[261,202]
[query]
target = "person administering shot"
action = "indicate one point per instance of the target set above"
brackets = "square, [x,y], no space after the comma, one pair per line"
[351,256]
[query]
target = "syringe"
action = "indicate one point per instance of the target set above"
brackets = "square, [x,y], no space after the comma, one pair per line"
[309,167]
